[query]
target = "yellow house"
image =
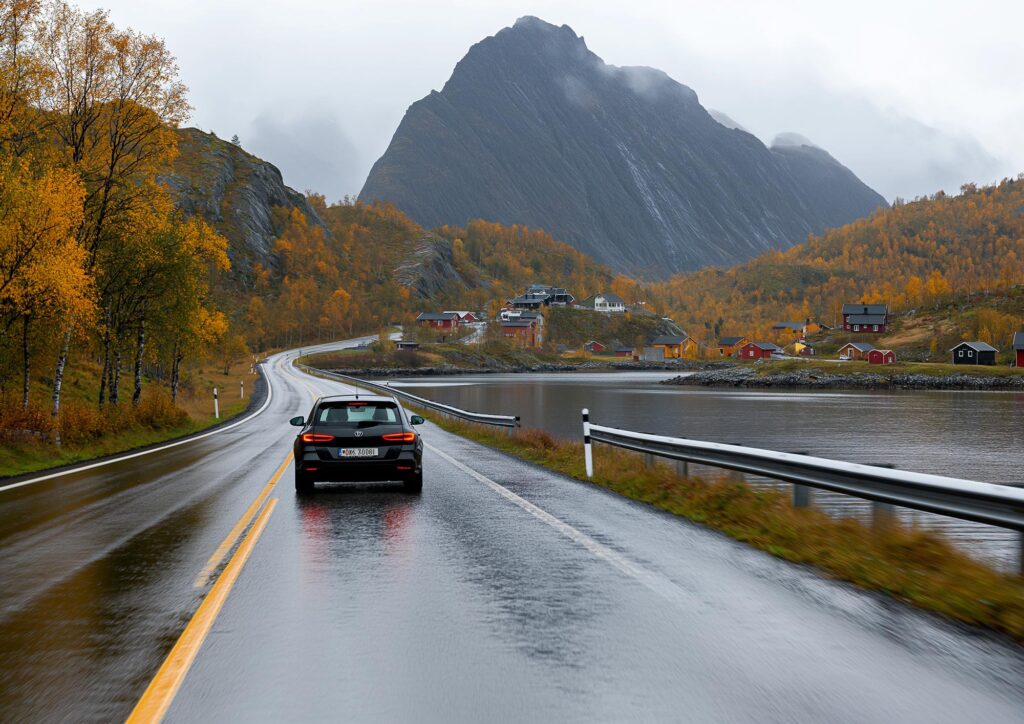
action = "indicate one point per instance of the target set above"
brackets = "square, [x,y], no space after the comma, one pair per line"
[675,346]
[727,346]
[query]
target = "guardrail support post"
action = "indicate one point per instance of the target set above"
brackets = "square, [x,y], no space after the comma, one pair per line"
[1020,555]
[588,456]
[683,469]
[648,460]
[882,515]
[801,496]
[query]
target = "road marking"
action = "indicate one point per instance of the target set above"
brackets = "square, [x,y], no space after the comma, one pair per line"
[240,526]
[656,582]
[91,466]
[161,690]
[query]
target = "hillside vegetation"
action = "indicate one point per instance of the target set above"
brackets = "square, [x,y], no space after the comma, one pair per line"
[933,257]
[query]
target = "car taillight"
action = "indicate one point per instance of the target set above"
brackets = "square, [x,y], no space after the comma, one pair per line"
[400,437]
[316,437]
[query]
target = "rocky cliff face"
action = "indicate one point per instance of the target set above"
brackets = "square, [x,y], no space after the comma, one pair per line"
[623,163]
[236,193]
[428,269]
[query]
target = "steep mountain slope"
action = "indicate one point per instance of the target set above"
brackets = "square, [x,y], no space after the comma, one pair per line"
[623,163]
[236,193]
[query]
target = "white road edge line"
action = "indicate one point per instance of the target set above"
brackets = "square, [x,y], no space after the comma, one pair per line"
[91,466]
[654,581]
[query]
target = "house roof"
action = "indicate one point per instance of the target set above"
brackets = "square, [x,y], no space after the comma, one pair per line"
[611,298]
[866,319]
[460,312]
[788,325]
[862,346]
[624,348]
[1018,340]
[976,346]
[530,315]
[884,351]
[436,317]
[865,309]
[766,345]
[670,339]
[530,298]
[730,341]
[516,323]
[593,341]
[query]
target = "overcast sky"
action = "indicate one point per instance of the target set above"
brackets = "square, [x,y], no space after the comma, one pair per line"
[912,96]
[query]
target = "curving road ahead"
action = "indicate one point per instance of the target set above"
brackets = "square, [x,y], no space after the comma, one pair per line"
[504,592]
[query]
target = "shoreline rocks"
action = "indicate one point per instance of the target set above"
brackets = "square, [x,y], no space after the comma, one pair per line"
[813,379]
[592,366]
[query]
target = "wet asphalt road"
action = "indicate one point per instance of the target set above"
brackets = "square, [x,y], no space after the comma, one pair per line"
[503,592]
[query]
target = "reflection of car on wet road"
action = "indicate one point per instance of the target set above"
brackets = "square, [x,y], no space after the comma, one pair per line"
[350,438]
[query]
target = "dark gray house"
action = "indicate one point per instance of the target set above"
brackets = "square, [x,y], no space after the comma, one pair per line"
[974,353]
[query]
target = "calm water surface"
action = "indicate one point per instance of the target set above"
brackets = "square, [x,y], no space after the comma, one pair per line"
[974,435]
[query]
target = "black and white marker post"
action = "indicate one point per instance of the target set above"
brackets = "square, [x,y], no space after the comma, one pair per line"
[588,456]
[241,389]
[216,405]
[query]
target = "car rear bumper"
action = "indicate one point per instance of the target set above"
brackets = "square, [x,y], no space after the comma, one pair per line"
[403,467]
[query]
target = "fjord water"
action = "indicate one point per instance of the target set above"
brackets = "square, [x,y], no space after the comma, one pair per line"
[973,435]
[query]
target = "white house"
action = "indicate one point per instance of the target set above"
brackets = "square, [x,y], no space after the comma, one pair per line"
[604,302]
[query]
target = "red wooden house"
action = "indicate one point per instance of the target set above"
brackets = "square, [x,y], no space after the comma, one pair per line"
[523,331]
[445,320]
[865,317]
[759,350]
[1018,348]
[881,357]
[593,347]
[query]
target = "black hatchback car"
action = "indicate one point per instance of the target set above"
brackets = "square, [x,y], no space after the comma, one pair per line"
[363,438]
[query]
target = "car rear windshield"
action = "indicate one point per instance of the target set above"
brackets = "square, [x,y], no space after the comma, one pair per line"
[357,414]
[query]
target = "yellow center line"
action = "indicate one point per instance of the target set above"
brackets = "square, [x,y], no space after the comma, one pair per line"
[228,543]
[161,690]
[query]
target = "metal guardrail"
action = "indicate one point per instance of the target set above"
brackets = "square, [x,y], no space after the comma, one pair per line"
[509,421]
[998,505]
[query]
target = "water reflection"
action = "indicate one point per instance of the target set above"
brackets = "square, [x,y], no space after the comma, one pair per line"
[974,435]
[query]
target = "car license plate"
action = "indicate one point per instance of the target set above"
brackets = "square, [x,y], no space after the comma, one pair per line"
[357,452]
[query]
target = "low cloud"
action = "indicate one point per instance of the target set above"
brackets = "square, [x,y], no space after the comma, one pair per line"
[313,152]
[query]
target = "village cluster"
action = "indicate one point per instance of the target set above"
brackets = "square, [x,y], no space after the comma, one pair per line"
[521,319]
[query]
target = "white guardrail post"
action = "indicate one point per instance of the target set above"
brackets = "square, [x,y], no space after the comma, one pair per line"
[216,405]
[588,456]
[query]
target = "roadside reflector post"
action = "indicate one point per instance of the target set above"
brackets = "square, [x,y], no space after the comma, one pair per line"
[588,455]
[216,405]
[241,389]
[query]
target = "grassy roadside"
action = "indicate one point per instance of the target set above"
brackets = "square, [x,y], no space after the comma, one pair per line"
[115,431]
[915,566]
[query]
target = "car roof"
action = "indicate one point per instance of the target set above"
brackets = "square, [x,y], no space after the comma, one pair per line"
[361,397]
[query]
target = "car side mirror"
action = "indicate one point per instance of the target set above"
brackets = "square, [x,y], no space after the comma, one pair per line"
[416,420]
[298,421]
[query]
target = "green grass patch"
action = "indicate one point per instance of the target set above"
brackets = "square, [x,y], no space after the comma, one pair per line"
[916,566]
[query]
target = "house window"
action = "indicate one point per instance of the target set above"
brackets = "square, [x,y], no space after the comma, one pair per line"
[960,353]
[876,327]
[856,328]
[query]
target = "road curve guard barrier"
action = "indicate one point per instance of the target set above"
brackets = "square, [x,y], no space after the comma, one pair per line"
[509,421]
[998,505]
